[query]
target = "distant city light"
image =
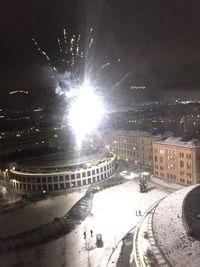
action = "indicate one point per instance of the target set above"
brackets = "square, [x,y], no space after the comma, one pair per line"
[38,110]
[137,87]
[18,92]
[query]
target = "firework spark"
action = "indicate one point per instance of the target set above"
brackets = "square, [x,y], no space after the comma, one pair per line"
[73,80]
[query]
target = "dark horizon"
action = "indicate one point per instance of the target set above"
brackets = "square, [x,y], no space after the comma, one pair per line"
[157,42]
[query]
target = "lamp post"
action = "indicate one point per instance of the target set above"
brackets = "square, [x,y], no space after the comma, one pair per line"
[87,247]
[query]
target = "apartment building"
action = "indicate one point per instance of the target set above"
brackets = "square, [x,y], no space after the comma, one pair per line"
[133,146]
[177,161]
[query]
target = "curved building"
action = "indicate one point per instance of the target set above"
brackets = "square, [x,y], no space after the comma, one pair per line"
[61,171]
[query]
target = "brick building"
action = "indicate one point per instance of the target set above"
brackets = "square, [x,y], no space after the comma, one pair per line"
[177,161]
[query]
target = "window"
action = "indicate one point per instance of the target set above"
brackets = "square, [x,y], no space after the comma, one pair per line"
[181,164]
[73,177]
[83,174]
[88,173]
[66,177]
[55,178]
[44,179]
[60,178]
[78,175]
[161,159]
[56,186]
[67,185]
[188,155]
[156,158]
[93,172]
[39,187]
[50,187]
[181,155]
[161,151]
[62,186]
[49,179]
[189,165]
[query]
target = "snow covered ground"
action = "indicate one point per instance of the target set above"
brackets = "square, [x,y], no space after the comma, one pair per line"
[170,233]
[113,215]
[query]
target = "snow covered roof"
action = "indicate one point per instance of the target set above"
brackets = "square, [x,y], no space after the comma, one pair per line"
[170,234]
[177,141]
[131,133]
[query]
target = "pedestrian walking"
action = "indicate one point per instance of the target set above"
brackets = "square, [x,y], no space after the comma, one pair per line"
[84,233]
[91,232]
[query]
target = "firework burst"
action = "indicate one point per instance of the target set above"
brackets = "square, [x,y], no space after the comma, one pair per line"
[78,81]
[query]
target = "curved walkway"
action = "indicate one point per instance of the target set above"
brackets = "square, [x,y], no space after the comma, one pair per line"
[142,244]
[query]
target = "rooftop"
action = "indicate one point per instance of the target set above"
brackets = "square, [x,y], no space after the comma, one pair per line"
[170,233]
[131,133]
[177,141]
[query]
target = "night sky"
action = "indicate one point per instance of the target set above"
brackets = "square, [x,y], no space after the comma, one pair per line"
[158,42]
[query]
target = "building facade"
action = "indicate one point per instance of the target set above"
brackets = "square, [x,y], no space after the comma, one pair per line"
[40,175]
[133,146]
[177,161]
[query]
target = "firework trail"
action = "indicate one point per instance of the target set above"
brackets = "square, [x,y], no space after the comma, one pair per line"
[78,77]
[74,63]
[59,45]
